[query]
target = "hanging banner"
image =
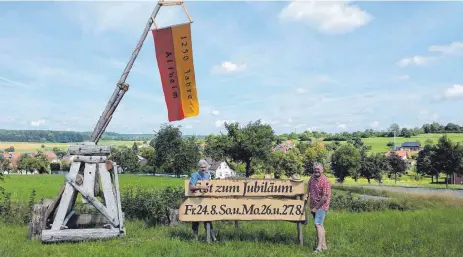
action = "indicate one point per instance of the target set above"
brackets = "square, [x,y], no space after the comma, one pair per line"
[174,54]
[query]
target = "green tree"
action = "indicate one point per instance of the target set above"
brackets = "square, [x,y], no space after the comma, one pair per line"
[172,153]
[448,157]
[65,165]
[292,162]
[147,153]
[125,158]
[372,167]
[135,148]
[345,161]
[187,158]
[59,153]
[425,162]
[397,165]
[314,153]
[243,144]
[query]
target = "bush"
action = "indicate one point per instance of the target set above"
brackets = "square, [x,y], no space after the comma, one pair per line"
[18,213]
[151,206]
[348,203]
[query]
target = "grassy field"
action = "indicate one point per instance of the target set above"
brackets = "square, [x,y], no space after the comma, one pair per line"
[25,147]
[379,144]
[47,186]
[391,233]
[433,231]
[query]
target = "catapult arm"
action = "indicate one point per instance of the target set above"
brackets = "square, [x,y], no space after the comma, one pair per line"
[122,86]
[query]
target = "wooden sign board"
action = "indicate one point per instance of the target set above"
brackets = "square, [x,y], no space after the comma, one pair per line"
[212,209]
[247,188]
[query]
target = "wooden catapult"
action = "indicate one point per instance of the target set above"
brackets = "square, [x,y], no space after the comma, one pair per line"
[93,176]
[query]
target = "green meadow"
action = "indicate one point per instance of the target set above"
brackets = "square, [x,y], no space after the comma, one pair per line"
[432,227]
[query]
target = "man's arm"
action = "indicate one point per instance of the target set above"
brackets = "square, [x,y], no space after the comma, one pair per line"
[193,181]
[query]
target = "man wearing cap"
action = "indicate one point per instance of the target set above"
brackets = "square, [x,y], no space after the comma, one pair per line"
[319,196]
[195,177]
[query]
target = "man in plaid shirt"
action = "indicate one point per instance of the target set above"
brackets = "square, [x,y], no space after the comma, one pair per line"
[319,196]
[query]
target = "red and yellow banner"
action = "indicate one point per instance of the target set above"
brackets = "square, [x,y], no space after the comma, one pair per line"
[174,54]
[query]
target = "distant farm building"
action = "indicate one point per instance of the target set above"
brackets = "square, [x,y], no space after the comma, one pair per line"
[410,146]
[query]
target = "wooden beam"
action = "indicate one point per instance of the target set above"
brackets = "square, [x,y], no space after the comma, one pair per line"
[67,199]
[118,200]
[89,159]
[89,179]
[38,221]
[89,150]
[108,191]
[87,220]
[300,236]
[76,235]
[94,201]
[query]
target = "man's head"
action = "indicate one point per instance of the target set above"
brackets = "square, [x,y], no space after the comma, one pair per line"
[318,169]
[203,167]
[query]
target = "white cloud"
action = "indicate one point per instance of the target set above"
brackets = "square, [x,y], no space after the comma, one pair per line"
[12,83]
[215,112]
[415,60]
[324,79]
[188,126]
[456,91]
[453,48]
[228,67]
[37,123]
[220,123]
[402,77]
[123,16]
[327,17]
[341,125]
[301,90]
[374,124]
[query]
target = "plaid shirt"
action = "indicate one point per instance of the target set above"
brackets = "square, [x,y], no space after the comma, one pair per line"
[317,189]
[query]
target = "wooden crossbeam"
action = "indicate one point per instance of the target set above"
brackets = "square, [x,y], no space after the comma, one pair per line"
[94,201]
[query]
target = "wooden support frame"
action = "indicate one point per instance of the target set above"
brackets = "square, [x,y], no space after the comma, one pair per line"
[84,183]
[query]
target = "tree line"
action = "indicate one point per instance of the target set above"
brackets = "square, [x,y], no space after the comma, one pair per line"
[368,133]
[72,136]
[249,149]
[64,136]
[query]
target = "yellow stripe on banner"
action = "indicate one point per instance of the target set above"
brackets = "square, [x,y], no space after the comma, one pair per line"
[185,69]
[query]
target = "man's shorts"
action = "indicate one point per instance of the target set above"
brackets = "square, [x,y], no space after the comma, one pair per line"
[319,216]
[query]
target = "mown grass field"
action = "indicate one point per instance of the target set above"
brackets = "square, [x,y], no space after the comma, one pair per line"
[392,233]
[25,147]
[379,144]
[434,231]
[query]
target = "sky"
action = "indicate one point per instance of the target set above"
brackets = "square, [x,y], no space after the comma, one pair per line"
[317,66]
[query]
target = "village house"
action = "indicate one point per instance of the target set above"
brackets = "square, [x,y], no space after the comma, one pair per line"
[14,157]
[218,169]
[404,155]
[284,146]
[410,146]
[456,179]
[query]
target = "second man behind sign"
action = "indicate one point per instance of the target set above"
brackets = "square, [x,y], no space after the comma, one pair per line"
[203,174]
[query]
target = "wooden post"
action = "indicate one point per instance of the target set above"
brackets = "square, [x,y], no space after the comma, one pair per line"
[208,232]
[38,221]
[300,237]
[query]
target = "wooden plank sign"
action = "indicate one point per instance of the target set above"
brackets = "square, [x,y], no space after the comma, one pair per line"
[247,188]
[210,209]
